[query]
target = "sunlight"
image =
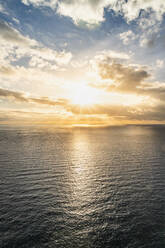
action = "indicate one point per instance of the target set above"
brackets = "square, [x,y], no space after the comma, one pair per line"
[119,99]
[84,95]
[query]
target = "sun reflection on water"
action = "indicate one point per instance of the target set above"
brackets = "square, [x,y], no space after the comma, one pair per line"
[82,173]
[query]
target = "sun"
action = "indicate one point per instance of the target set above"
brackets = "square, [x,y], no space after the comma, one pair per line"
[84,95]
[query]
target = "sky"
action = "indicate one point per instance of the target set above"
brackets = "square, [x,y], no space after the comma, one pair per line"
[82,62]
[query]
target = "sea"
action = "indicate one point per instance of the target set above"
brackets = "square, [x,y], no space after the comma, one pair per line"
[87,187]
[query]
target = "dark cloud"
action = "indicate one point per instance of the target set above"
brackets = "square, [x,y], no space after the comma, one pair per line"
[126,78]
[18,96]
[13,95]
[47,101]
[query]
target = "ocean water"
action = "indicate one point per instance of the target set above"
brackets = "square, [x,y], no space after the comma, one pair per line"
[82,187]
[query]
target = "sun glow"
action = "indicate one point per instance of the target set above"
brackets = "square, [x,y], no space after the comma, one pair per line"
[84,95]
[115,98]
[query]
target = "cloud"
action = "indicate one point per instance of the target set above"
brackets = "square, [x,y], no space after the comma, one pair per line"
[117,75]
[99,114]
[40,81]
[143,112]
[30,118]
[131,79]
[21,97]
[9,34]
[126,78]
[37,3]
[131,9]
[92,11]
[160,63]
[46,57]
[145,41]
[110,55]
[2,9]
[76,9]
[87,11]
[15,46]
[39,74]
[6,70]
[47,101]
[12,95]
[127,36]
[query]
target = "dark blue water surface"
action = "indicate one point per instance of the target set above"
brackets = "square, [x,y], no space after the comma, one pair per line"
[82,187]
